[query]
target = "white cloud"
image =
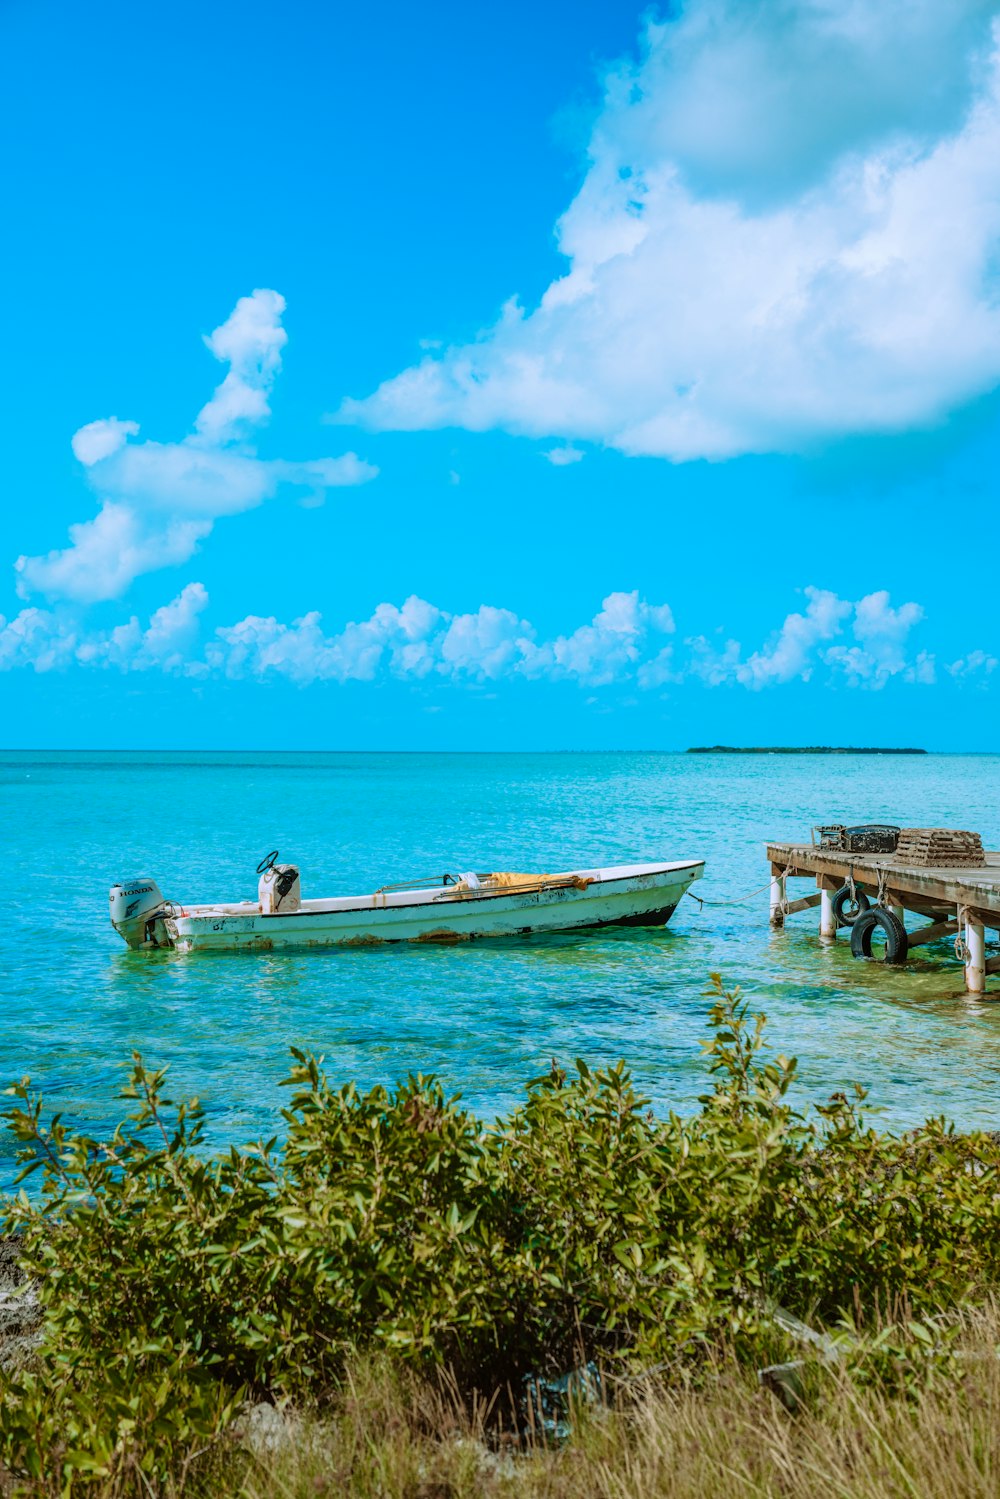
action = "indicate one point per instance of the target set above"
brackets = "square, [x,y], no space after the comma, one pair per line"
[49,641]
[923,670]
[36,639]
[875,651]
[864,644]
[790,653]
[106,553]
[250,341]
[158,501]
[414,641]
[715,668]
[419,639]
[485,644]
[100,439]
[258,647]
[789,230]
[564,456]
[609,647]
[976,664]
[755,98]
[173,629]
[659,671]
[881,632]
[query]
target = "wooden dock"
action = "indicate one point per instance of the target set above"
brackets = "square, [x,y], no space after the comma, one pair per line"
[957,903]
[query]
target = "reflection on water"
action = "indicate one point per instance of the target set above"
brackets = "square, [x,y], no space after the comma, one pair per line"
[487,1016]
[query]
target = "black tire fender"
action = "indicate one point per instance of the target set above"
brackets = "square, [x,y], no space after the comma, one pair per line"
[845,910]
[896,941]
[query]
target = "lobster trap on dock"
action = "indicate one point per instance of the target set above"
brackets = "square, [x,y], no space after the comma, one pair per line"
[868,877]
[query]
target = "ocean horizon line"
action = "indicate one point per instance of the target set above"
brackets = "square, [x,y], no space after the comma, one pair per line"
[470,750]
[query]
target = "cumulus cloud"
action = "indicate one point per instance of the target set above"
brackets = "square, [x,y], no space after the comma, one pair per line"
[48,640]
[259,647]
[250,341]
[755,98]
[158,501]
[660,670]
[106,553]
[100,439]
[37,639]
[790,654]
[419,639]
[173,628]
[486,644]
[414,640]
[978,664]
[609,647]
[789,230]
[874,651]
[629,642]
[880,653]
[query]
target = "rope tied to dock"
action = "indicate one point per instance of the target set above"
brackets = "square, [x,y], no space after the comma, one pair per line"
[961,946]
[739,899]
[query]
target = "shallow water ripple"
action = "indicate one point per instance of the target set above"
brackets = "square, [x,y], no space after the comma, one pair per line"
[487,1017]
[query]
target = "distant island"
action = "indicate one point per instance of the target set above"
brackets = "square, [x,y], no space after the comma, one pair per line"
[787,749]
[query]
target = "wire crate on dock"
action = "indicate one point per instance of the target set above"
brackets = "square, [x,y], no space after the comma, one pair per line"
[866,838]
[940,848]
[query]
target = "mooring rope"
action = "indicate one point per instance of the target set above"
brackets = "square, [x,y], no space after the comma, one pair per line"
[961,946]
[739,899]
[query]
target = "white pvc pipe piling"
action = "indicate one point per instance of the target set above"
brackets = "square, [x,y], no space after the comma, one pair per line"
[827,920]
[975,966]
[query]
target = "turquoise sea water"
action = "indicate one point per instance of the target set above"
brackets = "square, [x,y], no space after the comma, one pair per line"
[485,1017]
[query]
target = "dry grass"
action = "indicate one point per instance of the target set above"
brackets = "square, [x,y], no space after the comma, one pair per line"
[397,1440]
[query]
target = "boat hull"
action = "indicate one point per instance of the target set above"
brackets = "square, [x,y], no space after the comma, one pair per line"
[632,895]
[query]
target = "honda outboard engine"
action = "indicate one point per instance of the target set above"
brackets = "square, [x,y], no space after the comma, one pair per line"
[134,906]
[279,888]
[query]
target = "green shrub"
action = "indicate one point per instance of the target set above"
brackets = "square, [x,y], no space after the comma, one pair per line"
[175,1284]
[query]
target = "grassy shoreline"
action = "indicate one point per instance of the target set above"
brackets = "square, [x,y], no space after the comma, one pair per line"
[726,1439]
[581,1269]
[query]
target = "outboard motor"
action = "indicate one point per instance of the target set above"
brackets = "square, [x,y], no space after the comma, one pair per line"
[279,888]
[134,907]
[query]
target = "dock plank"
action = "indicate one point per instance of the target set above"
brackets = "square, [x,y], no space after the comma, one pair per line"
[977,889]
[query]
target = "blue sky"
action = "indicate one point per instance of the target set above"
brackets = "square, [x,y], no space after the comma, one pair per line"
[567,376]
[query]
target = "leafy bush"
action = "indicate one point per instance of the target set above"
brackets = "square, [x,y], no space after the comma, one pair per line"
[174,1284]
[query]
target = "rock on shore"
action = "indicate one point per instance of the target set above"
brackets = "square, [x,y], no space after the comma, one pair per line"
[19,1314]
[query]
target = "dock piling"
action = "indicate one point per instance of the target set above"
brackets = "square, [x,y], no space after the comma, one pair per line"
[975,962]
[827,920]
[956,901]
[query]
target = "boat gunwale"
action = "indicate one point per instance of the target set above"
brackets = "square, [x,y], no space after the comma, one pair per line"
[639,871]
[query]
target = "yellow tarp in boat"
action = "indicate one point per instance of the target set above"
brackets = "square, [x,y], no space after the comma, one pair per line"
[519,883]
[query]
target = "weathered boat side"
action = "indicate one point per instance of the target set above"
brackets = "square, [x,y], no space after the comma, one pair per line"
[628,895]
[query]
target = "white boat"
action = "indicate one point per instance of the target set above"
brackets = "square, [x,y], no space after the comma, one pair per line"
[448,908]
